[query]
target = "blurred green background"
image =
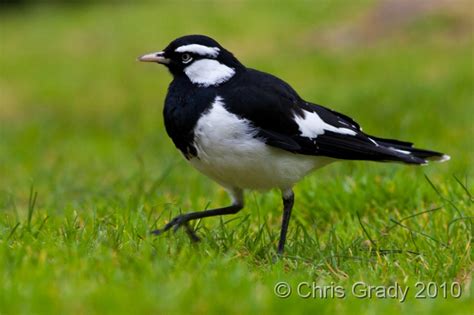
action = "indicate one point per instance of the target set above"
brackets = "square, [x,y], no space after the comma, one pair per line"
[81,126]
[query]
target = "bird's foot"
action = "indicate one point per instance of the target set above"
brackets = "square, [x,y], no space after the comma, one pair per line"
[176,223]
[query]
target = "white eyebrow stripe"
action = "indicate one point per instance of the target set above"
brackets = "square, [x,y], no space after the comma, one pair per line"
[199,49]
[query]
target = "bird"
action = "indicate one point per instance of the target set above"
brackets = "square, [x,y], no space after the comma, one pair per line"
[249,130]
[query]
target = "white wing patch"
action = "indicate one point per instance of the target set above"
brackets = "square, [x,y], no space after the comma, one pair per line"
[311,126]
[207,72]
[199,50]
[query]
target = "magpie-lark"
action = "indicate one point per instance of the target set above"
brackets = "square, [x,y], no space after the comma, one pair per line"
[247,129]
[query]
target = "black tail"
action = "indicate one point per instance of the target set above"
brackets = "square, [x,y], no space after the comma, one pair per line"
[405,152]
[368,148]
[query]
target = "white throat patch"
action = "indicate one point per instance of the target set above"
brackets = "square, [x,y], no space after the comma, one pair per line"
[207,72]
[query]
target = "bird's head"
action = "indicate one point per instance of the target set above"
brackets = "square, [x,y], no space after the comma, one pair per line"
[198,58]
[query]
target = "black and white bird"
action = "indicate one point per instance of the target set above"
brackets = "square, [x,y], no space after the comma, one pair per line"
[248,129]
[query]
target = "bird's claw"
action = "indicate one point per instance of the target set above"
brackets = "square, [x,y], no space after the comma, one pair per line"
[176,223]
[191,233]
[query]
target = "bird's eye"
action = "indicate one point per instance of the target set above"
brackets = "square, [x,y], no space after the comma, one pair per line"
[185,58]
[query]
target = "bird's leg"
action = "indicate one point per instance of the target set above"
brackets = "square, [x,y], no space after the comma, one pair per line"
[288,200]
[183,219]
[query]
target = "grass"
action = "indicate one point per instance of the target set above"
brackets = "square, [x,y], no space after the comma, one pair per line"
[87,169]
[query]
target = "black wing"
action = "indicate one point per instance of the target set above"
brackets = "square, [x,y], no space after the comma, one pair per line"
[272,105]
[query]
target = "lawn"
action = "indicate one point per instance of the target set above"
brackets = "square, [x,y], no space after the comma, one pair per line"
[87,170]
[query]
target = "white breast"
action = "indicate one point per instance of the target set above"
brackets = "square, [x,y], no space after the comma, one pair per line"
[229,153]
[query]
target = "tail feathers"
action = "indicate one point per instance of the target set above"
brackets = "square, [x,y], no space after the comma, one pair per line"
[405,152]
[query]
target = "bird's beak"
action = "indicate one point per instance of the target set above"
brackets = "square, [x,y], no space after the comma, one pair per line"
[154,57]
